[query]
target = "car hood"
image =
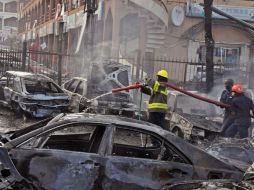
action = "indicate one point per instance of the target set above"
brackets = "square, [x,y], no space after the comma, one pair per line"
[202,122]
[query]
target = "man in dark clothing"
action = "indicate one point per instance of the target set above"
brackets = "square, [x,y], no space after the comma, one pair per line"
[157,106]
[241,108]
[226,98]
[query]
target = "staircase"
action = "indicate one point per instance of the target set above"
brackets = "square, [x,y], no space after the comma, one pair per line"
[156,15]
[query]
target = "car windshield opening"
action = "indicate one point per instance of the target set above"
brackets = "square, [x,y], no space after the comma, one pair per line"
[189,105]
[41,87]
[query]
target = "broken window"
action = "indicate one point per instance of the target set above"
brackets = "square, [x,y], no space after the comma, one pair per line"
[40,87]
[73,85]
[79,137]
[17,85]
[10,82]
[67,84]
[129,143]
[80,88]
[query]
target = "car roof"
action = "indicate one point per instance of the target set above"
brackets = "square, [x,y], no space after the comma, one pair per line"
[92,119]
[79,78]
[111,119]
[29,75]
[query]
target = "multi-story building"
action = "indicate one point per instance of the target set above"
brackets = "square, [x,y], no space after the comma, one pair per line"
[138,31]
[173,30]
[8,21]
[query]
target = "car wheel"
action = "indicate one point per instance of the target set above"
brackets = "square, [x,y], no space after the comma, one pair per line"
[178,132]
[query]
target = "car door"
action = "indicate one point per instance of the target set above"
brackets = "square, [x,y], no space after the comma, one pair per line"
[140,160]
[66,158]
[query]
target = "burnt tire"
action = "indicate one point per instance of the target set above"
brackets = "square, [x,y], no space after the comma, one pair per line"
[178,132]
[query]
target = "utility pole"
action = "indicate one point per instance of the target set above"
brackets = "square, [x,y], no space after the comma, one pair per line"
[90,7]
[209,42]
[60,44]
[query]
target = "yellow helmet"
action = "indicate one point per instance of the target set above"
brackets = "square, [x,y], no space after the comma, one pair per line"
[163,73]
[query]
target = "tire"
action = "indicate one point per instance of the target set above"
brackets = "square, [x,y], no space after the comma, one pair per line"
[178,132]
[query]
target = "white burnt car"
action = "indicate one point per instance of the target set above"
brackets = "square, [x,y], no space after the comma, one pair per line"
[189,117]
[32,94]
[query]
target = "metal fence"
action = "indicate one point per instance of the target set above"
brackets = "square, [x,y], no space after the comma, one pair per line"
[59,67]
[40,62]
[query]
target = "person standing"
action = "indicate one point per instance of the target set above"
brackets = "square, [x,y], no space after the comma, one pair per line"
[226,98]
[241,107]
[157,106]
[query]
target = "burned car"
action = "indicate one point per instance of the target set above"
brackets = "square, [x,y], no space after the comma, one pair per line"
[190,118]
[32,94]
[84,151]
[77,90]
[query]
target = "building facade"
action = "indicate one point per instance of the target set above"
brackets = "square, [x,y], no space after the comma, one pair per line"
[174,30]
[138,32]
[8,22]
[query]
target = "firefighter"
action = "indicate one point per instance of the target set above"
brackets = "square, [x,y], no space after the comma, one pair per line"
[157,106]
[241,107]
[226,98]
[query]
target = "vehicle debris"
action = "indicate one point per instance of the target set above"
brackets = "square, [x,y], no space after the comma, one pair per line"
[239,152]
[32,94]
[190,118]
[109,151]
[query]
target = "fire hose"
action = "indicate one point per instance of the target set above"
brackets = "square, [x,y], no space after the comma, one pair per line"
[138,85]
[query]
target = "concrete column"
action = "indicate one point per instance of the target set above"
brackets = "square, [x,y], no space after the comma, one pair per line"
[116,28]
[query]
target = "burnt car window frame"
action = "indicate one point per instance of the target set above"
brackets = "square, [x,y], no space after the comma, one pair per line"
[38,142]
[44,83]
[10,78]
[81,83]
[163,141]
[72,83]
[67,84]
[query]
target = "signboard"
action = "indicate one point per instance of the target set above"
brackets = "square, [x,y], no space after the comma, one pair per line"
[243,13]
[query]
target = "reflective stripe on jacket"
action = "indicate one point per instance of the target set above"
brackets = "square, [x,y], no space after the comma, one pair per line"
[158,99]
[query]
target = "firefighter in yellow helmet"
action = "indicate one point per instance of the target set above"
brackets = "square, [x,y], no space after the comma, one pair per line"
[157,106]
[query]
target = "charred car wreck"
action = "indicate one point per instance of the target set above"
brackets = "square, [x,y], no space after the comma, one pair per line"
[190,118]
[32,94]
[108,152]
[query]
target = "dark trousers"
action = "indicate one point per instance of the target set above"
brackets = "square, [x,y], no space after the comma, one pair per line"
[227,122]
[234,128]
[157,118]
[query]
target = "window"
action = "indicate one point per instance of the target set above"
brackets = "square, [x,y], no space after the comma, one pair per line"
[37,87]
[75,137]
[80,88]
[129,143]
[10,81]
[17,85]
[67,84]
[73,85]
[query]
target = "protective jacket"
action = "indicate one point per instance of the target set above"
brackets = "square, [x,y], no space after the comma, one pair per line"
[158,99]
[241,107]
